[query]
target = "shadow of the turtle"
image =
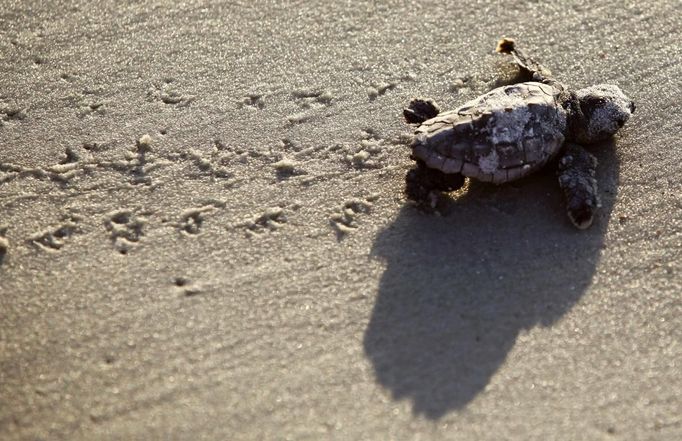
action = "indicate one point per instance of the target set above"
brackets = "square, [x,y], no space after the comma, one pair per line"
[459,288]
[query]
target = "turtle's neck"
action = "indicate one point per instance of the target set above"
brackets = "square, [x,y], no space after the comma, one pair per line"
[575,119]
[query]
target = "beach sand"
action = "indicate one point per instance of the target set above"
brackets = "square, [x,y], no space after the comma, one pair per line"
[205,235]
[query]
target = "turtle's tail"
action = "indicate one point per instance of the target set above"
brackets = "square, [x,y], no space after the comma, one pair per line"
[536,70]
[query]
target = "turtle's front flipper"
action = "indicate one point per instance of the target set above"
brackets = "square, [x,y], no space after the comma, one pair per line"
[419,110]
[536,70]
[577,168]
[424,185]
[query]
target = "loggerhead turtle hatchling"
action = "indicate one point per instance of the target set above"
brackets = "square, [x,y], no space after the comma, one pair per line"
[513,131]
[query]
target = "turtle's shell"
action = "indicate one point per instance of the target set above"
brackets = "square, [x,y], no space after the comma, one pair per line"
[503,135]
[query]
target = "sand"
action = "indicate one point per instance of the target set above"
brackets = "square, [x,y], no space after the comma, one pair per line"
[203,233]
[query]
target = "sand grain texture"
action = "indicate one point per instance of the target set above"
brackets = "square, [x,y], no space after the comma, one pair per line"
[203,233]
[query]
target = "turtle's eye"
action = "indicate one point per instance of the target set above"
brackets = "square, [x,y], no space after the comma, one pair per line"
[621,122]
[632,107]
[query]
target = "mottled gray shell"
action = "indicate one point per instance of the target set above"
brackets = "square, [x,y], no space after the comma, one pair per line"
[501,136]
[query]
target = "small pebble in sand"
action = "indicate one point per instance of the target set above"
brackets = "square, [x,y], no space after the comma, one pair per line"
[145,143]
[285,166]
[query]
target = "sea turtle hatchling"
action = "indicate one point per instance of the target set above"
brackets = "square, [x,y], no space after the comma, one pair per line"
[513,131]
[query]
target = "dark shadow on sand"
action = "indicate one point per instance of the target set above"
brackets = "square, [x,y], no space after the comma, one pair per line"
[458,289]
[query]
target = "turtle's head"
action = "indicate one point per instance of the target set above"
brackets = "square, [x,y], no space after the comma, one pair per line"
[605,109]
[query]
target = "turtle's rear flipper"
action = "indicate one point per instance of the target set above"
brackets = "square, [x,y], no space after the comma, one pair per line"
[419,110]
[577,168]
[534,69]
[424,185]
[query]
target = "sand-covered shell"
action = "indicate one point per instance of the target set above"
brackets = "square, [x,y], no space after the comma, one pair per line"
[501,136]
